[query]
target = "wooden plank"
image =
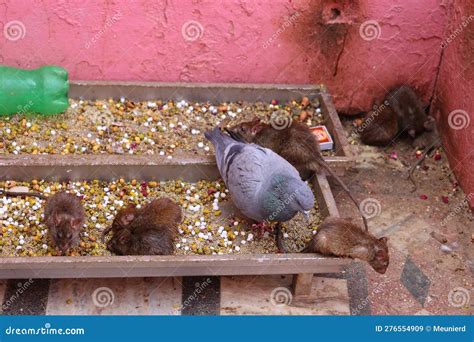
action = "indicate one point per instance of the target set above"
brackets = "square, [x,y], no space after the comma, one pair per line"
[166,266]
[107,167]
[190,168]
[269,295]
[200,92]
[334,126]
[324,197]
[302,284]
[116,296]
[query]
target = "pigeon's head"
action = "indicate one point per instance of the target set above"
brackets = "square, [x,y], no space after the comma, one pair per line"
[288,196]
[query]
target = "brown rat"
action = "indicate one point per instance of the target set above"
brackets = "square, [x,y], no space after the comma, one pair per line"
[340,237]
[150,230]
[296,143]
[64,216]
[401,111]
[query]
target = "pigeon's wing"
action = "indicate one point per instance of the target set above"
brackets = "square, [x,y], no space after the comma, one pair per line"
[279,165]
[299,193]
[245,174]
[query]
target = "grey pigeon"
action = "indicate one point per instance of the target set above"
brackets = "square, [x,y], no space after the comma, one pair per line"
[263,185]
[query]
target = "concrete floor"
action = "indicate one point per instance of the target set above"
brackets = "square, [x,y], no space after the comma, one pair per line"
[431,261]
[430,232]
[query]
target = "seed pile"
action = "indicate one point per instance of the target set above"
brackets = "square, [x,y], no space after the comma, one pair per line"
[209,226]
[126,127]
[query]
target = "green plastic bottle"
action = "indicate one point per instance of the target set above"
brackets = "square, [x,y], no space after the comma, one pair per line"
[43,90]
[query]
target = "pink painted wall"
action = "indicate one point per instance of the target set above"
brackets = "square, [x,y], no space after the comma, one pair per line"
[453,104]
[266,41]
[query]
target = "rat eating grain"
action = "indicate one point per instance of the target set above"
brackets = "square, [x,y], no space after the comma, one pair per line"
[146,231]
[64,216]
[340,237]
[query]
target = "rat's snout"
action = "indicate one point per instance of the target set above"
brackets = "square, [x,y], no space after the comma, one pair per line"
[62,249]
[379,268]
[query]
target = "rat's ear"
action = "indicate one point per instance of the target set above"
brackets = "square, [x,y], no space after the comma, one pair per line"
[360,252]
[124,239]
[257,128]
[55,219]
[76,223]
[127,218]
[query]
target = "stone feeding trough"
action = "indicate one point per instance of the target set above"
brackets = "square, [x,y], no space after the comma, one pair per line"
[189,168]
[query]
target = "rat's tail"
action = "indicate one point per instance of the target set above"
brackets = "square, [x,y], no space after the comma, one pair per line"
[325,165]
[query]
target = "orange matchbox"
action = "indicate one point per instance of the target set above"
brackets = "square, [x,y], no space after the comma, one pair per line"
[325,139]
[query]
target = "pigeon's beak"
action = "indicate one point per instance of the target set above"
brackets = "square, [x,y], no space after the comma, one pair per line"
[306,215]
